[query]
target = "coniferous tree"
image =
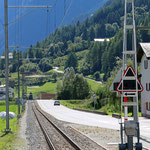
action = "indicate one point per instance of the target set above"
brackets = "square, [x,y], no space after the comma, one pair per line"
[45,65]
[73,86]
[30,53]
[71,61]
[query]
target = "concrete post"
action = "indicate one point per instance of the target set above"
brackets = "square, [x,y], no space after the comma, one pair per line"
[7,62]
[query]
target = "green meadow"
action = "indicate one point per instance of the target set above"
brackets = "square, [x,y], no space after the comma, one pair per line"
[6,140]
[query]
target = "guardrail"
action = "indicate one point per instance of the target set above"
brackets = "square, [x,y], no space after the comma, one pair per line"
[91,111]
[116,116]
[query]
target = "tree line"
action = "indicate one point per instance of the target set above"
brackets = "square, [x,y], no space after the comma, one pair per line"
[107,22]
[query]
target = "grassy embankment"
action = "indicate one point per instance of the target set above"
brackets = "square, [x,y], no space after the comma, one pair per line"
[83,104]
[6,140]
[88,103]
[48,87]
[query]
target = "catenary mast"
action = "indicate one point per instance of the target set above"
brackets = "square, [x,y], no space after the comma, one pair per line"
[129,80]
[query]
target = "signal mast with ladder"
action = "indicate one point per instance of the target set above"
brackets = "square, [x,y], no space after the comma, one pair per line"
[129,86]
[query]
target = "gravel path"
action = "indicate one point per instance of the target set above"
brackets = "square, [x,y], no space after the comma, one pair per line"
[105,137]
[22,143]
[30,136]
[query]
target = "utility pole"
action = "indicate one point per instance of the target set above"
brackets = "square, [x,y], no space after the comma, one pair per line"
[18,116]
[7,56]
[23,86]
[7,62]
[94,99]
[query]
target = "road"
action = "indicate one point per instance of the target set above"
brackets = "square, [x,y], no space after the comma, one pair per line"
[69,115]
[84,118]
[94,80]
[56,69]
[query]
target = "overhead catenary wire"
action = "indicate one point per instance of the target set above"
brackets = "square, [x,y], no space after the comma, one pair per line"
[34,8]
[47,23]
[20,24]
[15,36]
[66,12]
[30,6]
[54,6]
[19,14]
[24,47]
[55,18]
[64,7]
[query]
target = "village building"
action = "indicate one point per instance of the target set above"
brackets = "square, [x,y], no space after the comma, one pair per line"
[143,57]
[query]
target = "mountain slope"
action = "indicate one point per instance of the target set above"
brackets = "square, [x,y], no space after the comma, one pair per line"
[105,23]
[35,26]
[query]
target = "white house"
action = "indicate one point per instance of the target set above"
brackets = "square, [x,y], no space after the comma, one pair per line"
[101,40]
[143,57]
[3,92]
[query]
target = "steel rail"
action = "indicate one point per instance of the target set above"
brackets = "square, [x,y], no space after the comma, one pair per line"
[49,141]
[73,144]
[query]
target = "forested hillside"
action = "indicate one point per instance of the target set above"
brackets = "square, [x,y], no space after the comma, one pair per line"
[24,31]
[107,22]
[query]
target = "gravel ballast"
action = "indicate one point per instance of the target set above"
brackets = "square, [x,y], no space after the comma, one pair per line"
[30,136]
[84,142]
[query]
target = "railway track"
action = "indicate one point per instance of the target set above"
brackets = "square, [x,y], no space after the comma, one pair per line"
[54,136]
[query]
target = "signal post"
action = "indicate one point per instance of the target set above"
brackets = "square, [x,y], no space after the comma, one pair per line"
[129,85]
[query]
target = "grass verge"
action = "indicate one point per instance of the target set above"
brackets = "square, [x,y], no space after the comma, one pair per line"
[81,104]
[6,140]
[88,104]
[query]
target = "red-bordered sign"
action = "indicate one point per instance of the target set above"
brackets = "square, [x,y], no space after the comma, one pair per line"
[128,84]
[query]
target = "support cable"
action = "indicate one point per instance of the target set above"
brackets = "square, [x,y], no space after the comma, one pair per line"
[2,23]
[22,16]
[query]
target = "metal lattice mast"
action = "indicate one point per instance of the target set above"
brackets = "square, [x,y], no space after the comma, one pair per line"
[130,30]
[131,127]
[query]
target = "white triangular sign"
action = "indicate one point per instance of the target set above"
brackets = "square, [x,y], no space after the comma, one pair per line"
[129,83]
